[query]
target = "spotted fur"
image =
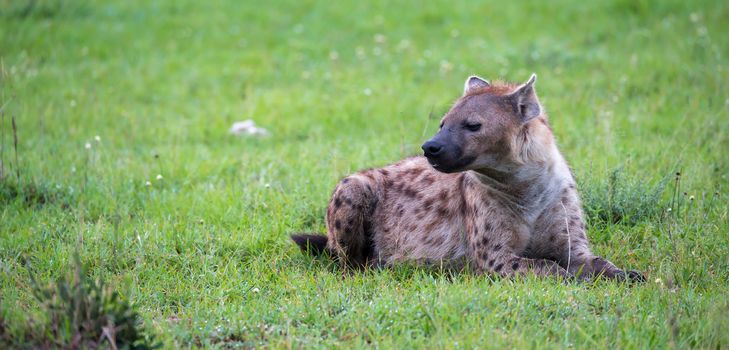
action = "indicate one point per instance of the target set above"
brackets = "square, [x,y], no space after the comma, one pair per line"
[492,191]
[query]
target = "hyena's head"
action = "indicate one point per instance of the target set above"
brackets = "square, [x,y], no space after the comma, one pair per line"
[488,128]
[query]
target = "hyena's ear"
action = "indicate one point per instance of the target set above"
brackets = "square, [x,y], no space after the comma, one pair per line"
[526,103]
[474,82]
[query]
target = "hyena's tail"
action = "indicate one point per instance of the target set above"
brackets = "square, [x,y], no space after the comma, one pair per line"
[312,243]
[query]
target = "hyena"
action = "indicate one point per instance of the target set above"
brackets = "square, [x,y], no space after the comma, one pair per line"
[492,191]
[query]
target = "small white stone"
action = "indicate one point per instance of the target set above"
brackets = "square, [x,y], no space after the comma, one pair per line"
[248,127]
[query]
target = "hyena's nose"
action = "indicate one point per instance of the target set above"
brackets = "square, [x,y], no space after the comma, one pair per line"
[432,149]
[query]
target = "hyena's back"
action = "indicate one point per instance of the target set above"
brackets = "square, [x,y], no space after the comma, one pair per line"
[404,211]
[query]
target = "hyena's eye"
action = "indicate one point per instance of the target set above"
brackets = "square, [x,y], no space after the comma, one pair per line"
[472,126]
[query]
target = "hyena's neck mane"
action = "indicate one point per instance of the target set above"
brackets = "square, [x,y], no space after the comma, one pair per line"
[534,174]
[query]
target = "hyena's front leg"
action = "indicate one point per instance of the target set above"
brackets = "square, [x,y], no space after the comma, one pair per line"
[491,251]
[565,239]
[584,264]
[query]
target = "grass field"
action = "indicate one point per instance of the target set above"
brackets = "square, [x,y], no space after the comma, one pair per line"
[636,91]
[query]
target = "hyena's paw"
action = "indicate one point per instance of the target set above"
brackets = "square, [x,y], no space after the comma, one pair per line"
[630,276]
[582,277]
[635,276]
[605,269]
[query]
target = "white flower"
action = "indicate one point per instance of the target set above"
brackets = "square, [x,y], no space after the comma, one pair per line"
[255,290]
[367,91]
[267,185]
[379,38]
[87,145]
[333,55]
[97,138]
[445,66]
[360,51]
[403,44]
[147,184]
[159,177]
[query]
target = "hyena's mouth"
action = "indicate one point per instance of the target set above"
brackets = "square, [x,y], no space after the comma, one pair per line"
[445,166]
[434,163]
[439,165]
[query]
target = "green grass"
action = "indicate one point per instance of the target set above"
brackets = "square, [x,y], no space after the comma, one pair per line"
[204,254]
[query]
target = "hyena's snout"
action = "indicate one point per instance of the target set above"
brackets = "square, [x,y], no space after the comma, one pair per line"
[432,149]
[443,154]
[435,151]
[439,149]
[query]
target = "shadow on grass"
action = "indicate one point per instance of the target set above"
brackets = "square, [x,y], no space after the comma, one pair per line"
[80,313]
[33,194]
[622,200]
[41,9]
